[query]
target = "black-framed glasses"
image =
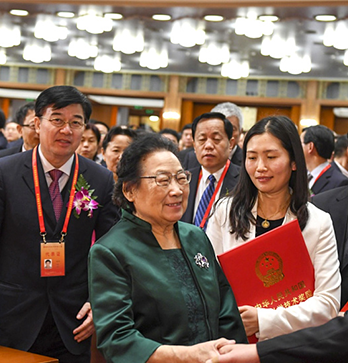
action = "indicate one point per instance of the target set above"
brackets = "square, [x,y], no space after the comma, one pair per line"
[31,126]
[163,179]
[58,122]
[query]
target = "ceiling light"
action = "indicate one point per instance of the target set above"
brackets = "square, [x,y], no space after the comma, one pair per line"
[113,16]
[129,38]
[308,122]
[10,35]
[272,18]
[19,12]
[94,23]
[108,64]
[82,49]
[187,32]
[345,59]
[37,51]
[65,14]
[325,18]
[235,69]
[154,56]
[154,118]
[329,35]
[46,29]
[214,53]
[214,18]
[161,17]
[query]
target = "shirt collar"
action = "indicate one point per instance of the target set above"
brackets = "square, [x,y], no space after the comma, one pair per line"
[205,174]
[315,172]
[47,166]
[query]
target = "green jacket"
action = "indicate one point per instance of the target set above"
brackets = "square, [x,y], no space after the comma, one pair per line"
[136,300]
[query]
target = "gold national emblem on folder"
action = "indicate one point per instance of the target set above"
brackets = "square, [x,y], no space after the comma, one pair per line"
[269,268]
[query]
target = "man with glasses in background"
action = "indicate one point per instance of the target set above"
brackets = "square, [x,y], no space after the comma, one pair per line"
[26,127]
[51,201]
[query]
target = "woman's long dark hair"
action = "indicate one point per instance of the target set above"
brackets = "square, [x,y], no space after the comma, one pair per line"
[245,193]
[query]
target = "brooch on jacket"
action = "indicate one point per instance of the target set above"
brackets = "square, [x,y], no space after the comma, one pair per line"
[201,261]
[83,199]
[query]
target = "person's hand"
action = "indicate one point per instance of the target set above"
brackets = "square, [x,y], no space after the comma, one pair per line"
[198,353]
[203,351]
[250,320]
[236,353]
[86,329]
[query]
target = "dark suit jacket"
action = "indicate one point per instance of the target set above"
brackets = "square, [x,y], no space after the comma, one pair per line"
[335,202]
[324,344]
[12,150]
[25,297]
[329,180]
[228,184]
[190,161]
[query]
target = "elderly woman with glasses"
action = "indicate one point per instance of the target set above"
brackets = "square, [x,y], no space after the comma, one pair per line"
[156,290]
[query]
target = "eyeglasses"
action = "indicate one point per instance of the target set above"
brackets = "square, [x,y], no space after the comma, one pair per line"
[163,179]
[73,124]
[31,126]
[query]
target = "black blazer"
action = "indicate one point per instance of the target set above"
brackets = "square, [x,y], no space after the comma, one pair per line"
[190,160]
[335,202]
[25,297]
[323,344]
[329,180]
[12,150]
[228,184]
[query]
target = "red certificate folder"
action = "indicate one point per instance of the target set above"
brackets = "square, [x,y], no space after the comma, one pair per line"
[272,270]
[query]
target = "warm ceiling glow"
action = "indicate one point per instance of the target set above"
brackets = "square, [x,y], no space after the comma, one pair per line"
[325,18]
[154,118]
[19,12]
[308,122]
[268,18]
[113,16]
[214,18]
[65,14]
[161,17]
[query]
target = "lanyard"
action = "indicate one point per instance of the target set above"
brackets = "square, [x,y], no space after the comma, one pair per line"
[38,197]
[211,202]
[321,173]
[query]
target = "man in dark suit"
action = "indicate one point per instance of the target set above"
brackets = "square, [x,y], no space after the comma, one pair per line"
[212,140]
[26,127]
[335,202]
[318,145]
[46,311]
[340,160]
[233,113]
[3,141]
[322,344]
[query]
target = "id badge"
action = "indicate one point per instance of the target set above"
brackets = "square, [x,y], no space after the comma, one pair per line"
[52,259]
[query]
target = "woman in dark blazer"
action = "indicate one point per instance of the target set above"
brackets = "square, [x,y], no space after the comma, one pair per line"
[156,289]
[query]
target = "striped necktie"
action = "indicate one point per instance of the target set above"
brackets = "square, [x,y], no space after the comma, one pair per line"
[56,197]
[204,202]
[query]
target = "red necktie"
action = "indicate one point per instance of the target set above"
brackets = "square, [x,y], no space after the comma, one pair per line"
[56,197]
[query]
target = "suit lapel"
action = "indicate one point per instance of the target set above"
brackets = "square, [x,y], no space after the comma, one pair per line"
[66,194]
[322,181]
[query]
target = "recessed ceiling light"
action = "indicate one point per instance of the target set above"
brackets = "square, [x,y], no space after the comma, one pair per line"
[65,14]
[325,17]
[268,17]
[161,17]
[214,18]
[113,16]
[19,12]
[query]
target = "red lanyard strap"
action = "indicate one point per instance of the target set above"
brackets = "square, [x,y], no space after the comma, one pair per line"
[322,172]
[212,199]
[38,197]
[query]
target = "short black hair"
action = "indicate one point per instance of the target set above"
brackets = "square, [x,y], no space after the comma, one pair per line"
[97,122]
[21,113]
[60,97]
[210,115]
[2,119]
[129,167]
[186,127]
[118,130]
[94,129]
[323,139]
[170,132]
[341,146]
